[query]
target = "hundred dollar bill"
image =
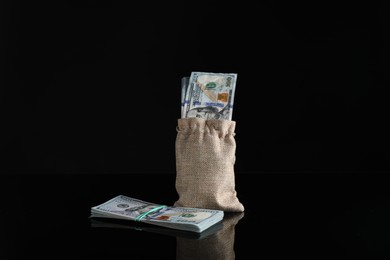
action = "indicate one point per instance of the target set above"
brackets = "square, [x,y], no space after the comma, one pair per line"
[210,95]
[182,218]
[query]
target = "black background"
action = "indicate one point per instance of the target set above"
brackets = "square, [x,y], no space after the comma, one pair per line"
[95,87]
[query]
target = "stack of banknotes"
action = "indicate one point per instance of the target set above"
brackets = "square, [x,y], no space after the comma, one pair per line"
[181,218]
[208,95]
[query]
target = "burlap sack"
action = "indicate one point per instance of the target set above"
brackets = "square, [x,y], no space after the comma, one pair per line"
[219,246]
[205,157]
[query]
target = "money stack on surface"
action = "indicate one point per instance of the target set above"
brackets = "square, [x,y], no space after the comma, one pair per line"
[181,218]
[208,95]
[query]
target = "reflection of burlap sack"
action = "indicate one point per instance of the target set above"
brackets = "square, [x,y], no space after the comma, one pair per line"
[217,246]
[205,157]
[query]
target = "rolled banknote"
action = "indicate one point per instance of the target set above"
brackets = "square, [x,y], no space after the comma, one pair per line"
[184,86]
[210,95]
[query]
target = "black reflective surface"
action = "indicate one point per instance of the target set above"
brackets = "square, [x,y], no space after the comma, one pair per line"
[301,215]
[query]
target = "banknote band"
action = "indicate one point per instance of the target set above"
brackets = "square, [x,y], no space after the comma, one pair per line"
[141,216]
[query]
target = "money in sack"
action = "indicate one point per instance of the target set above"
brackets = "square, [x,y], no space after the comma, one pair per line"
[205,157]
[205,144]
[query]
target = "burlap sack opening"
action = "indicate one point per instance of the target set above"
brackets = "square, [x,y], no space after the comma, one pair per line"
[205,157]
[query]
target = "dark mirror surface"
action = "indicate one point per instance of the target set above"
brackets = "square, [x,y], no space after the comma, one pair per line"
[90,95]
[308,215]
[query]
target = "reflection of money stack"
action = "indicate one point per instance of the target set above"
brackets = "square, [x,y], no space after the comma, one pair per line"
[208,95]
[217,246]
[139,226]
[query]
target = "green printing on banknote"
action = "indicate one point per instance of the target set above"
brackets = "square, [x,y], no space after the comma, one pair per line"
[208,95]
[182,218]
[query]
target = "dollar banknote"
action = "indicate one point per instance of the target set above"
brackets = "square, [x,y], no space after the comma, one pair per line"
[209,95]
[182,218]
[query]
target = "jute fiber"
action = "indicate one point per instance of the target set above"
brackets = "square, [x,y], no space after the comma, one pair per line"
[205,157]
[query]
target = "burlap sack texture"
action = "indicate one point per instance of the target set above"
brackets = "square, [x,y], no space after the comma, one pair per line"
[205,157]
[219,246]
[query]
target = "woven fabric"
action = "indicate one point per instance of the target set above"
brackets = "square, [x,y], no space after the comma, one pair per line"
[205,157]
